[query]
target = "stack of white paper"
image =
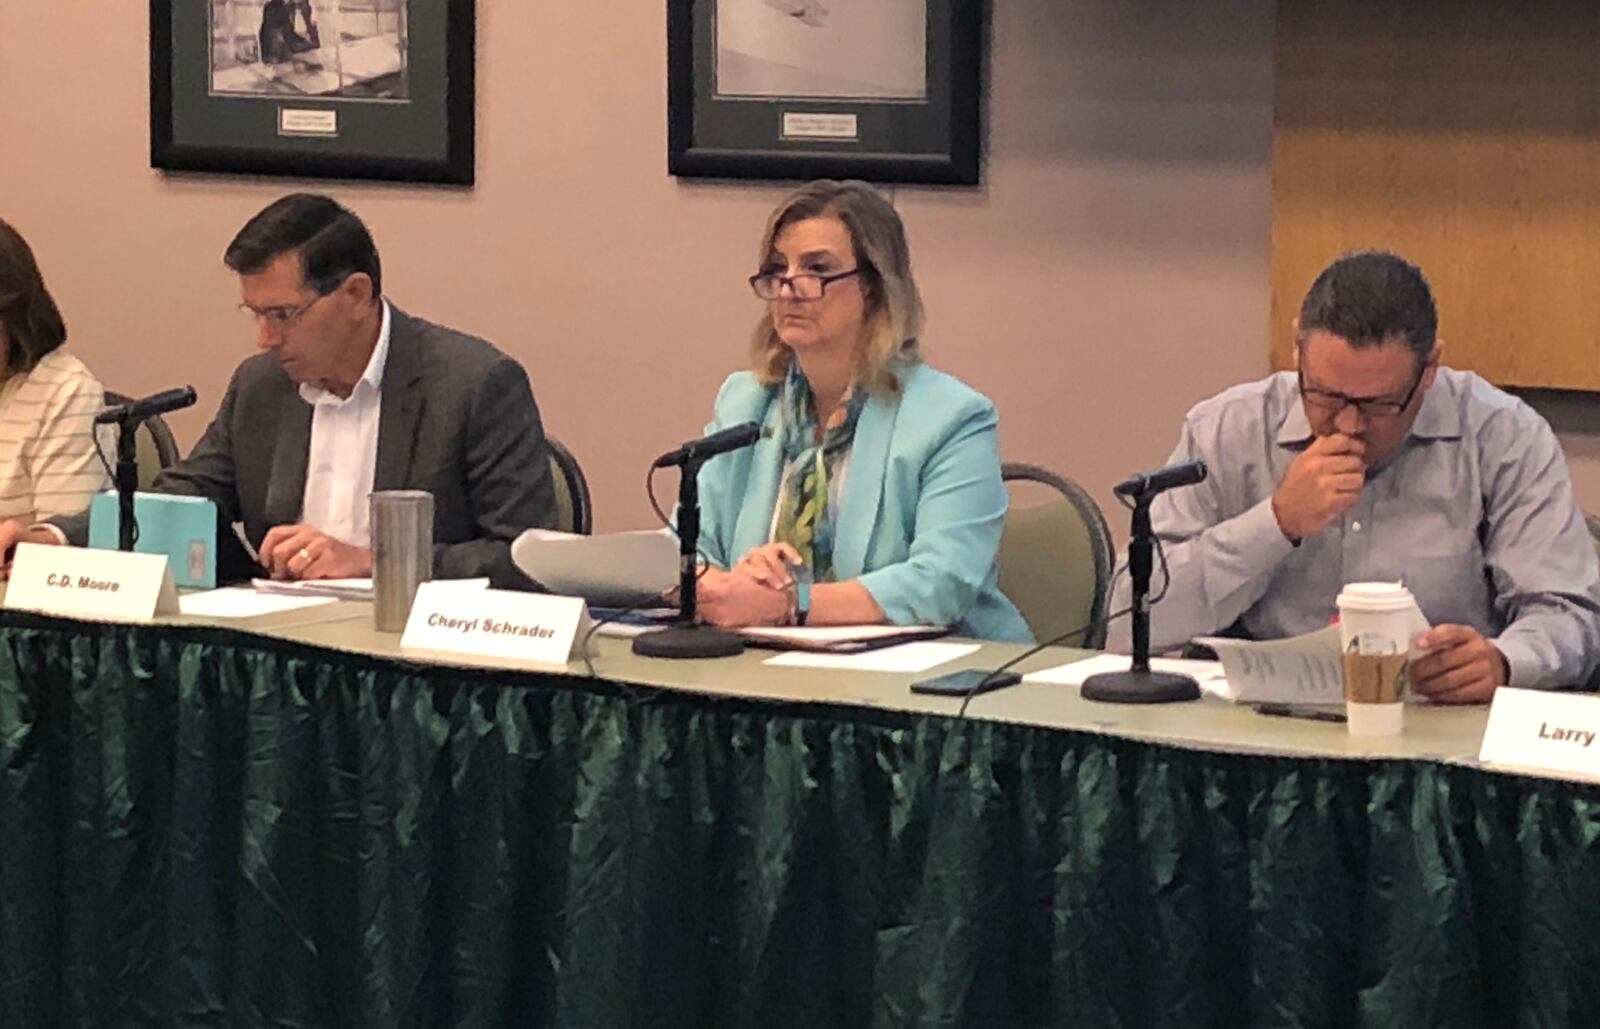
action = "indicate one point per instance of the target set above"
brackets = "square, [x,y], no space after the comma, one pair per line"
[338,589]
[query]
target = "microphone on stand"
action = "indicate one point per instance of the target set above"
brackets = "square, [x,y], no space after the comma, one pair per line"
[127,418]
[706,447]
[154,404]
[688,638]
[1186,473]
[1139,685]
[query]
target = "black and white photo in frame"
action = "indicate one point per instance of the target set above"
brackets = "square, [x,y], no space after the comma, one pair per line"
[352,49]
[844,49]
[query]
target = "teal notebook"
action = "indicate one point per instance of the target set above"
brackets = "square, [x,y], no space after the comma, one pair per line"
[183,528]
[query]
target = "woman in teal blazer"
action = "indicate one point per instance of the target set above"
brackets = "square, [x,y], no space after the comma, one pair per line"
[874,492]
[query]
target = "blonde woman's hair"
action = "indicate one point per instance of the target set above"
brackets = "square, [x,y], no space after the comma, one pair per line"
[893,305]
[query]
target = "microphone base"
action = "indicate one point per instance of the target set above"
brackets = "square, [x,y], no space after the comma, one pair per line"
[1140,688]
[681,641]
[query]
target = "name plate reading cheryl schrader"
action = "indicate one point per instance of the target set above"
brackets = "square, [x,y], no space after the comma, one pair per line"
[532,628]
[107,584]
[1536,729]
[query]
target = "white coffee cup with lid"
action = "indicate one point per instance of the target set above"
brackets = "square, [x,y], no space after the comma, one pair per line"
[1377,623]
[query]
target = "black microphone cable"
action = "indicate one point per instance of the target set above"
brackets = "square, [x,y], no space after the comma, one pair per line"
[1166,582]
[111,476]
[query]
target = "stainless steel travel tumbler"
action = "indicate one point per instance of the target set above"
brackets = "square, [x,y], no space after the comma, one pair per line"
[402,553]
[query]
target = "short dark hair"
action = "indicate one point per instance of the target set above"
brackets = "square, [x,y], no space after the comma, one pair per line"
[31,318]
[1370,297]
[332,242]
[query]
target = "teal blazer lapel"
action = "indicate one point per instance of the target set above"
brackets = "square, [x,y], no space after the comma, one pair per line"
[286,486]
[400,410]
[863,487]
[754,527]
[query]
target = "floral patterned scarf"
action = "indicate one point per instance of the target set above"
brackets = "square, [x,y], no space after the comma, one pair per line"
[807,498]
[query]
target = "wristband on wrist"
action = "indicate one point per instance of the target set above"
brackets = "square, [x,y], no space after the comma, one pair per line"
[800,576]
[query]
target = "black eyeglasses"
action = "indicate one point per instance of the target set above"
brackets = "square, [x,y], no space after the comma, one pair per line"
[769,285]
[1369,407]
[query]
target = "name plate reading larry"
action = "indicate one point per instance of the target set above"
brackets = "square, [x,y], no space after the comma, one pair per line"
[527,627]
[1555,732]
[106,584]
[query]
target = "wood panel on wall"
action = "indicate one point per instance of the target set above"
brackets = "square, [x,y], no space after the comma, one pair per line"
[1464,135]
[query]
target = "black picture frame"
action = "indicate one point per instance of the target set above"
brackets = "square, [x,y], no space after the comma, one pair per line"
[363,130]
[935,139]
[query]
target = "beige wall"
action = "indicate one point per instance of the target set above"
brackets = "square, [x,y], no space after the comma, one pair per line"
[1113,269]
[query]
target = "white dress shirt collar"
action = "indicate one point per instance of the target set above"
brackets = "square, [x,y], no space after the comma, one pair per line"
[341,460]
[371,379]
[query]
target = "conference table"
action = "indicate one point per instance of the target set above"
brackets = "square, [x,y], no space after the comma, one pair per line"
[289,821]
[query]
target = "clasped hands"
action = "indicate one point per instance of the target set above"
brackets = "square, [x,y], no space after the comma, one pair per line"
[755,591]
[287,551]
[1460,665]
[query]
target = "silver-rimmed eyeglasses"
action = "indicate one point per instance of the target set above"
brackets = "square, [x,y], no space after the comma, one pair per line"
[280,316]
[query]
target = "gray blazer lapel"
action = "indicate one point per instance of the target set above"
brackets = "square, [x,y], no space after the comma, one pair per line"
[400,410]
[863,487]
[286,486]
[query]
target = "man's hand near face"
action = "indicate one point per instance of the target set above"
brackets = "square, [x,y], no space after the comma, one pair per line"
[1321,485]
[306,552]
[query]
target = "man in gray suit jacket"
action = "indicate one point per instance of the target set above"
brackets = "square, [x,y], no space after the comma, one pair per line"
[352,395]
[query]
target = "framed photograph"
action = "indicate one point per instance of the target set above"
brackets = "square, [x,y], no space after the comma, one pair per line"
[886,90]
[348,89]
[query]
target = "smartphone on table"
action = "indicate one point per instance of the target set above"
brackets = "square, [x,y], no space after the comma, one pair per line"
[966,682]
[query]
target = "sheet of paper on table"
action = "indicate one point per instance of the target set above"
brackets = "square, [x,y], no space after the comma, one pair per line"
[243,602]
[907,657]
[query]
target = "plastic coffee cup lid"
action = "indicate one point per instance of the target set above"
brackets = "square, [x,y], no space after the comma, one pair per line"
[1375,597]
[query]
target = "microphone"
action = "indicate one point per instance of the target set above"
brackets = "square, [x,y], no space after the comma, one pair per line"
[1149,484]
[689,638]
[720,442]
[155,403]
[1141,684]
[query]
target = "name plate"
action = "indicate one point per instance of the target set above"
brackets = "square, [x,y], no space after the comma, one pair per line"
[104,584]
[533,628]
[1555,732]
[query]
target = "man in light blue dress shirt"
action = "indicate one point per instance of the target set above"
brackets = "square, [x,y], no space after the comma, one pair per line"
[1373,462]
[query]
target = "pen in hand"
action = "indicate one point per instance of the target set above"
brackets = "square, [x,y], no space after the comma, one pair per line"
[244,541]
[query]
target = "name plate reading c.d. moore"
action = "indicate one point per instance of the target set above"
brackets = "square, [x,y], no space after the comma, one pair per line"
[532,628]
[83,583]
[1537,729]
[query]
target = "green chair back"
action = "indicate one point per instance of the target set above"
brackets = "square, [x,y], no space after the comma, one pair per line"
[574,512]
[153,444]
[1056,559]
